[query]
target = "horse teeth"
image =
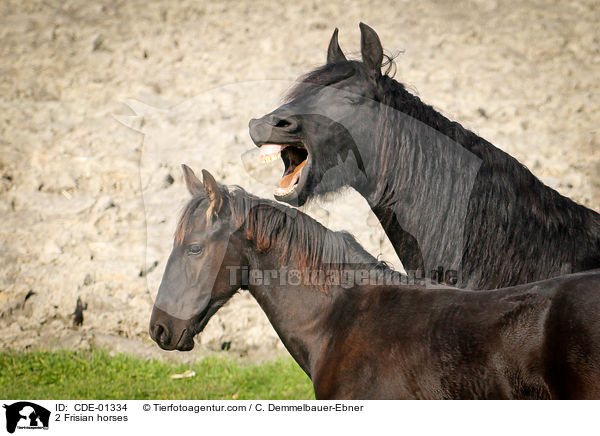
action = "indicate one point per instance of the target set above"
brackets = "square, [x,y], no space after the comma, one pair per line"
[267,158]
[284,192]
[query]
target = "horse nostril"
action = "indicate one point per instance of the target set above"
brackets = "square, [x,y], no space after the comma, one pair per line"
[282,123]
[288,124]
[161,334]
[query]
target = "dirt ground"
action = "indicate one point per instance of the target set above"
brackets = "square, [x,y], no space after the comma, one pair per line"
[102,101]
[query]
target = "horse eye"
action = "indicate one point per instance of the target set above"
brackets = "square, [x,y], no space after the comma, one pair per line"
[195,249]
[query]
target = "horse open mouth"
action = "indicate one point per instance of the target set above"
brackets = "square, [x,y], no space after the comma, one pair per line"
[295,158]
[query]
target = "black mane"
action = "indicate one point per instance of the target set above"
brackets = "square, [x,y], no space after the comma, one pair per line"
[555,229]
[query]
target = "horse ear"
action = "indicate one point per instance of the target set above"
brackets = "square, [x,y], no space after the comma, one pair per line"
[334,52]
[213,192]
[192,182]
[372,51]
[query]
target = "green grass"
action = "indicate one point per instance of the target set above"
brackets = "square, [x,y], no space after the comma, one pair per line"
[97,375]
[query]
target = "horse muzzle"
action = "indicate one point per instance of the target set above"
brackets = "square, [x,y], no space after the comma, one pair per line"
[170,333]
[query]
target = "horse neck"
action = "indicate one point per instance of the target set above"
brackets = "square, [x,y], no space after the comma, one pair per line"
[301,308]
[298,313]
[430,180]
[420,171]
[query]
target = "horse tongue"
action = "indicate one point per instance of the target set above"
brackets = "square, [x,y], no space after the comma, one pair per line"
[289,179]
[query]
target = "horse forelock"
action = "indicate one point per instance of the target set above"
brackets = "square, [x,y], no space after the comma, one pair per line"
[326,75]
[185,224]
[330,74]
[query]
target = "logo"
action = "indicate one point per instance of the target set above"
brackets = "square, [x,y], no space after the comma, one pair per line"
[26,415]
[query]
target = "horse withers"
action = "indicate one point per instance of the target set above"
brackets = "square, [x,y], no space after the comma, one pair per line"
[355,327]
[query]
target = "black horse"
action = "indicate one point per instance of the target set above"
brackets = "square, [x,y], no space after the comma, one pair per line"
[448,200]
[355,328]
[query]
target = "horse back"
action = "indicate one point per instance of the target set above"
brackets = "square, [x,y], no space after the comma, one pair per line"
[572,341]
[534,341]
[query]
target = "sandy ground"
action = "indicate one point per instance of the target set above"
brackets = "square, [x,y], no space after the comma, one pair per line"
[101,102]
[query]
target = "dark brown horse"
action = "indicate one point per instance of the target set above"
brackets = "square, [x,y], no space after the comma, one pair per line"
[355,327]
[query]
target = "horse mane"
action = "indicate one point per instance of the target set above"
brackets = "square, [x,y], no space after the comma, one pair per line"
[303,243]
[522,204]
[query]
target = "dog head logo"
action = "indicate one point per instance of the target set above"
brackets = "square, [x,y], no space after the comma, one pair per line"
[26,415]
